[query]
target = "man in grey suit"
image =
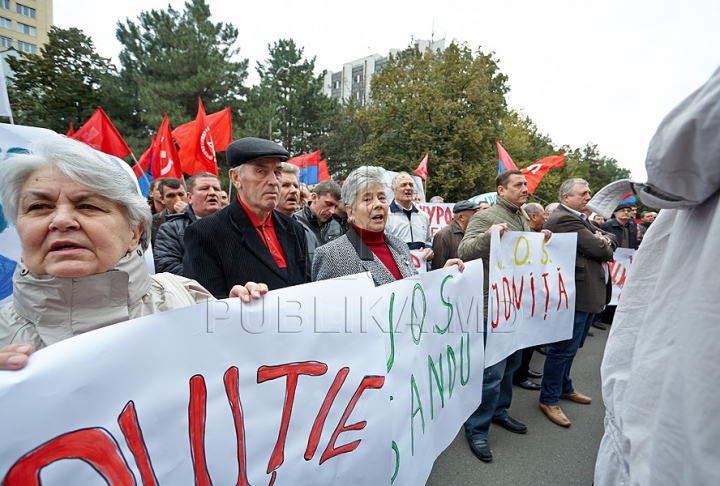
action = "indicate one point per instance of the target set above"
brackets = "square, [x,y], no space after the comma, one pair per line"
[594,248]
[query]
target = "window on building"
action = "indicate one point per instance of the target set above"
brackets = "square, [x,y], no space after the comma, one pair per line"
[5,4]
[5,23]
[358,78]
[23,10]
[336,85]
[5,41]
[26,29]
[25,47]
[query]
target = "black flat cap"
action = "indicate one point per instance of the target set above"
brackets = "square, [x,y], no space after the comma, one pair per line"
[622,206]
[465,206]
[249,148]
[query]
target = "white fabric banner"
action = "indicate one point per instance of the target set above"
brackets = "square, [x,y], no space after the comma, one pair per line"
[435,364]
[290,390]
[439,214]
[531,297]
[618,269]
[4,100]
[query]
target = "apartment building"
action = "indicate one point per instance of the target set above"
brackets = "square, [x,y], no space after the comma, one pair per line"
[24,24]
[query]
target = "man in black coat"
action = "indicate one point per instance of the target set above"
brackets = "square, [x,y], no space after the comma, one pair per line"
[248,241]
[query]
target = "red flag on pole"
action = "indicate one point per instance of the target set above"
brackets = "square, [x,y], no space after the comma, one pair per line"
[422,168]
[534,173]
[323,172]
[220,124]
[504,160]
[165,159]
[143,163]
[99,133]
[197,153]
[70,132]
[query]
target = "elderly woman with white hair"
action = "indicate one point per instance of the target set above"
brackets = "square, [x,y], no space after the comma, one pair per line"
[366,247]
[83,229]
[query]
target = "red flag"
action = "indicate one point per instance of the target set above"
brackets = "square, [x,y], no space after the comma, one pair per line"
[70,132]
[323,172]
[197,153]
[422,168]
[220,128]
[165,159]
[505,162]
[534,173]
[101,134]
[143,164]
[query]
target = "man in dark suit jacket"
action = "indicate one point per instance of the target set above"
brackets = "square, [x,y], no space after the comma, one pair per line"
[248,241]
[594,248]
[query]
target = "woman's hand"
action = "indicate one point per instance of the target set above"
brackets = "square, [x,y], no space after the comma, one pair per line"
[250,290]
[455,261]
[14,356]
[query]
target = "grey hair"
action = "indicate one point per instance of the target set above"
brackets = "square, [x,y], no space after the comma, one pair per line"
[82,165]
[532,208]
[292,169]
[551,207]
[358,180]
[568,187]
[394,181]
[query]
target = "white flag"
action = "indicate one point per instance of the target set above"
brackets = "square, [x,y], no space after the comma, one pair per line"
[4,101]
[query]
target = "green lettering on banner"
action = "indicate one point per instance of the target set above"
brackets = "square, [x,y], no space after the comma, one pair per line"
[414,393]
[452,370]
[447,304]
[391,359]
[412,312]
[439,381]
[464,381]
[397,462]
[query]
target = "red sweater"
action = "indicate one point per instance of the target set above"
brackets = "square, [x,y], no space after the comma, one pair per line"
[376,242]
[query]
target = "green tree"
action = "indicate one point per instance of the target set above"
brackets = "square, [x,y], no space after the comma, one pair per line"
[288,105]
[346,135]
[171,58]
[448,104]
[61,84]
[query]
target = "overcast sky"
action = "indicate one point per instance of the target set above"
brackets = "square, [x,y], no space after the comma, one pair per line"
[604,72]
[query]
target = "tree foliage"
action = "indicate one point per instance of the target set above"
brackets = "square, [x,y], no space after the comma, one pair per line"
[448,104]
[61,84]
[288,105]
[171,58]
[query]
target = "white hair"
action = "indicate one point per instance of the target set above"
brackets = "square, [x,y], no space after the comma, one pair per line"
[358,180]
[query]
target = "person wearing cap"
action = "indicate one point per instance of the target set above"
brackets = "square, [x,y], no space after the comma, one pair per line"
[249,241]
[447,240]
[621,227]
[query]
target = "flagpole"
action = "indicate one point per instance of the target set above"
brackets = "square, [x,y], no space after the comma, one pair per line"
[143,173]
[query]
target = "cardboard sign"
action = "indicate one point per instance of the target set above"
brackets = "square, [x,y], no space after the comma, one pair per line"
[618,269]
[531,296]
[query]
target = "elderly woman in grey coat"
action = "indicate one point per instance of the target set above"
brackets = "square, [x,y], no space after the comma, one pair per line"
[366,247]
[83,229]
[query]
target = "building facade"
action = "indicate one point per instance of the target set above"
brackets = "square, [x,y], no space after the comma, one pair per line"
[24,24]
[353,82]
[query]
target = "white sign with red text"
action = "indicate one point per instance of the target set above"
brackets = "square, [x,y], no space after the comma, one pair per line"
[439,214]
[531,298]
[618,269]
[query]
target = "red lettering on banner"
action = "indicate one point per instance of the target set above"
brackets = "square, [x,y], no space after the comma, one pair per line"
[532,292]
[331,451]
[415,260]
[517,297]
[323,413]
[196,425]
[547,295]
[232,390]
[494,323]
[292,371]
[507,303]
[130,427]
[561,292]
[448,216]
[94,446]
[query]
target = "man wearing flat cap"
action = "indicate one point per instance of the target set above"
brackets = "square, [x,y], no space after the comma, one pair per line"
[447,240]
[248,241]
[621,226]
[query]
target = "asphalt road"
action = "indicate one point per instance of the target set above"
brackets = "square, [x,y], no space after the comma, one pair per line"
[548,454]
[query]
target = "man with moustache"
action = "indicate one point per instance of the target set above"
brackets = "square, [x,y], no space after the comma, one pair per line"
[289,196]
[248,241]
[203,200]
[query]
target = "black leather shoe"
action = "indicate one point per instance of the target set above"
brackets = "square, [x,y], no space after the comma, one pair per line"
[481,449]
[528,385]
[543,349]
[591,334]
[599,325]
[511,425]
[534,374]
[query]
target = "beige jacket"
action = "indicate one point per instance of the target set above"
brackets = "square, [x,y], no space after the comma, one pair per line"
[46,309]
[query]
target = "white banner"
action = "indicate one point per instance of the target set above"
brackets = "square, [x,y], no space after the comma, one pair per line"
[289,390]
[435,364]
[531,296]
[618,269]
[439,214]
[4,101]
[416,257]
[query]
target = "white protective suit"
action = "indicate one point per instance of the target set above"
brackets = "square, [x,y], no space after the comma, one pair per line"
[661,368]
